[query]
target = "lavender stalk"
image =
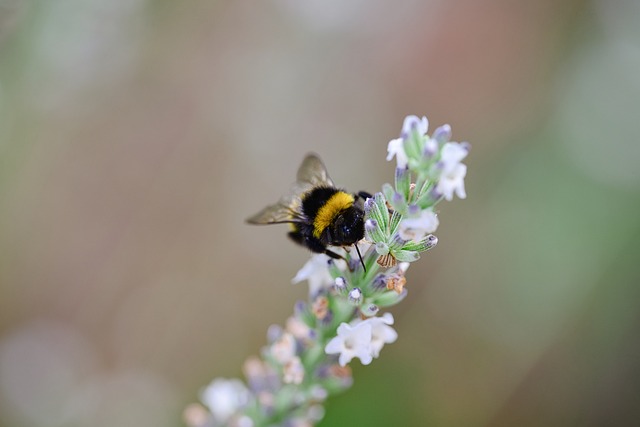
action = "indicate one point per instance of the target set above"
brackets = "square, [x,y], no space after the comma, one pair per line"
[308,359]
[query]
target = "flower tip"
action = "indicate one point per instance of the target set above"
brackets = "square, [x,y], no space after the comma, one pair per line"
[366,359]
[355,296]
[414,124]
[340,285]
[442,134]
[396,148]
[369,204]
[370,310]
[370,224]
[387,318]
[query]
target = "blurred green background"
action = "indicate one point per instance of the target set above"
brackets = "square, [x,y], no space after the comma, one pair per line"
[136,136]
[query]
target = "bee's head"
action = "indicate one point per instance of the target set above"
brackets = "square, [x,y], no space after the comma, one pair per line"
[347,227]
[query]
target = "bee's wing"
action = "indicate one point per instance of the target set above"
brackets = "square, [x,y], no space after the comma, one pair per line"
[274,214]
[311,173]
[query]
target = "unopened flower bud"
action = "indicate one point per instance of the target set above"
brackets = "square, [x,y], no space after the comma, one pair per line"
[442,134]
[431,241]
[369,310]
[340,285]
[369,204]
[370,225]
[355,296]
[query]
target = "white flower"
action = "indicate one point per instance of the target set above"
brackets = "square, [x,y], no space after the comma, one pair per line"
[396,148]
[451,156]
[381,332]
[351,341]
[453,182]
[452,171]
[420,125]
[224,397]
[417,228]
[316,272]
[293,372]
[362,339]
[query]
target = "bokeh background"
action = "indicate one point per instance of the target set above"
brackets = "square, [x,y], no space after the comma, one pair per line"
[136,136]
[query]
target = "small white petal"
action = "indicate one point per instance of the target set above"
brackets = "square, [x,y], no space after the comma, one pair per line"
[451,155]
[453,182]
[334,346]
[316,272]
[417,228]
[421,125]
[381,333]
[365,357]
[396,148]
[351,341]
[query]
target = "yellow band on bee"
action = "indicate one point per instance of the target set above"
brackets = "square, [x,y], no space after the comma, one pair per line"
[327,213]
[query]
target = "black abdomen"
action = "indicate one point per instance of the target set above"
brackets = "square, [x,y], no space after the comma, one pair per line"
[315,199]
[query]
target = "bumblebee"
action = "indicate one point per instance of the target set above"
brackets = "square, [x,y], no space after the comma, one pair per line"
[319,214]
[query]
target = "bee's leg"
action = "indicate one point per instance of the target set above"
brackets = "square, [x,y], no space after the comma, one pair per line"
[333,254]
[364,195]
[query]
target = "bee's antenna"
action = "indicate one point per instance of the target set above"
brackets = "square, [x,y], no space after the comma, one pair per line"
[360,256]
